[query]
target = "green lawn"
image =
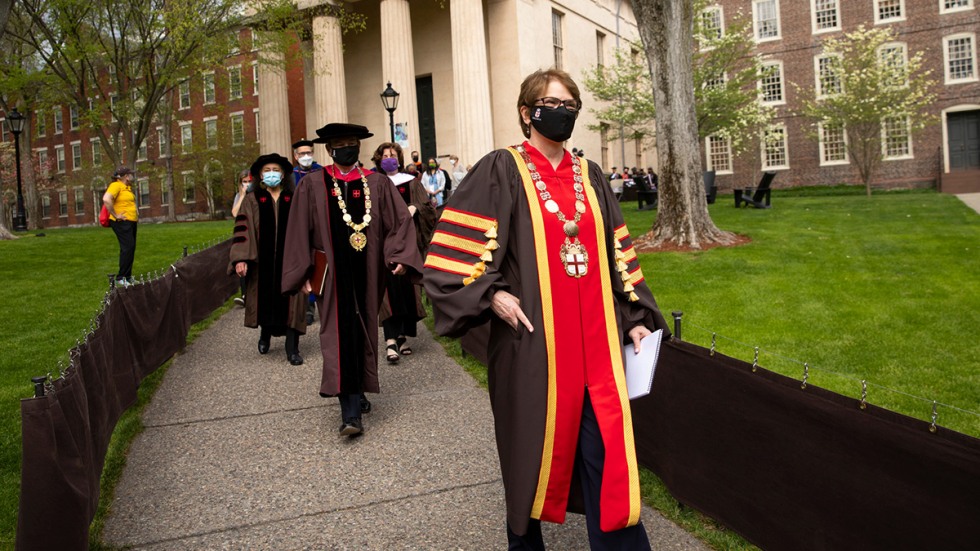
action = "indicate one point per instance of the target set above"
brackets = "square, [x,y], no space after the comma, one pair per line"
[885,289]
[52,287]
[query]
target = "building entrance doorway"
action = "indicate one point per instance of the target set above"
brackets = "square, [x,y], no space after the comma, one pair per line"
[427,117]
[964,140]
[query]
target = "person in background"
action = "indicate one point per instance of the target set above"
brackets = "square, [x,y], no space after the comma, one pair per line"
[615,175]
[402,308]
[418,163]
[410,168]
[243,187]
[547,258]
[652,178]
[435,180]
[303,157]
[257,254]
[120,201]
[458,173]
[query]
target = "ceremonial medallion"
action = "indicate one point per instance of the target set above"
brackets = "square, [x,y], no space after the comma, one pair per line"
[358,240]
[574,258]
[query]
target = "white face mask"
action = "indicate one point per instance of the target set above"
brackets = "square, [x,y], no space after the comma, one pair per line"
[306,161]
[452,162]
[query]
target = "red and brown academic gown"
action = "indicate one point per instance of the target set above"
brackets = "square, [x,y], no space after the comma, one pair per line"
[495,234]
[355,279]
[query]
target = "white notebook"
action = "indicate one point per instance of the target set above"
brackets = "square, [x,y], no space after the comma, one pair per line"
[641,367]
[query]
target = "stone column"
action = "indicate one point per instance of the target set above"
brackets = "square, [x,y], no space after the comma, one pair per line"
[471,81]
[398,67]
[328,76]
[273,105]
[309,95]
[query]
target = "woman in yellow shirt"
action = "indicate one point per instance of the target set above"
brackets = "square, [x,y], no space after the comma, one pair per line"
[120,201]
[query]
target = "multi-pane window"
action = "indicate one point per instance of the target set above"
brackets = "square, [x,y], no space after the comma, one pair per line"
[59,155]
[162,141]
[41,127]
[556,38]
[45,206]
[76,155]
[189,185]
[208,88]
[600,49]
[716,81]
[946,6]
[237,129]
[143,193]
[255,78]
[79,201]
[164,194]
[713,22]
[887,11]
[58,120]
[96,152]
[827,69]
[895,56]
[719,154]
[255,111]
[896,140]
[63,203]
[73,117]
[42,161]
[833,144]
[961,58]
[765,17]
[186,138]
[826,15]
[235,82]
[771,84]
[141,151]
[184,92]
[774,148]
[211,133]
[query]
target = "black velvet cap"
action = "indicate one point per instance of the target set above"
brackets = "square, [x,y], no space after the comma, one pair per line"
[284,164]
[302,142]
[341,130]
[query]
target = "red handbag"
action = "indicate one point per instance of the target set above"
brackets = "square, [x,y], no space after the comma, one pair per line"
[104,217]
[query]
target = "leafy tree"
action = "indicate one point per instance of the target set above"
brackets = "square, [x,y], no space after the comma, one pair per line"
[869,89]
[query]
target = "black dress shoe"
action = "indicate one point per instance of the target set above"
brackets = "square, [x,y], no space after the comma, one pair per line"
[365,404]
[351,427]
[263,346]
[295,358]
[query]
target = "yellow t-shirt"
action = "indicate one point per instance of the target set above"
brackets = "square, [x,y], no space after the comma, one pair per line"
[125,200]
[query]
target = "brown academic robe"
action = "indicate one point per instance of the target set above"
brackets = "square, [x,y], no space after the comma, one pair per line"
[485,242]
[425,220]
[260,229]
[390,241]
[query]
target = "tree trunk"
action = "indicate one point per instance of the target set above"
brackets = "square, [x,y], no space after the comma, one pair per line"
[29,180]
[5,233]
[666,29]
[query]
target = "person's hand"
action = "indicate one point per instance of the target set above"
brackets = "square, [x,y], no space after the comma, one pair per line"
[307,288]
[121,217]
[241,269]
[637,333]
[508,308]
[398,270]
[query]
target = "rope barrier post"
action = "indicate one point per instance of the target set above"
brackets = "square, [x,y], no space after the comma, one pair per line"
[677,323]
[39,386]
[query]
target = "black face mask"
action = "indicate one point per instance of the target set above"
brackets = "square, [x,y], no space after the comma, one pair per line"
[415,158]
[555,124]
[346,156]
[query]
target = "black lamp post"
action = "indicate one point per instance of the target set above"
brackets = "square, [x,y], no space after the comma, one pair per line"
[15,121]
[390,98]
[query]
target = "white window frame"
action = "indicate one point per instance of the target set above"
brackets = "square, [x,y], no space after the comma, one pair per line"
[708,154]
[141,151]
[884,143]
[208,135]
[973,59]
[208,85]
[255,111]
[164,195]
[161,142]
[240,115]
[823,157]
[43,163]
[255,78]
[139,193]
[59,120]
[764,147]
[238,70]
[905,54]
[79,211]
[73,117]
[59,159]
[782,84]
[76,162]
[183,188]
[96,151]
[813,18]
[46,206]
[721,17]
[818,82]
[755,22]
[186,85]
[880,21]
[62,203]
[944,10]
[558,37]
[40,125]
[183,146]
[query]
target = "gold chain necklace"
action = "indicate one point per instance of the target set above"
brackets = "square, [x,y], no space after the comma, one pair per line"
[357,239]
[574,256]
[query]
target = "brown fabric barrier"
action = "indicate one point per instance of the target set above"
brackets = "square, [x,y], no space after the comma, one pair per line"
[797,469]
[66,433]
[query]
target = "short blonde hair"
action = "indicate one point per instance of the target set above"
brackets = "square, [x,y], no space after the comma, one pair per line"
[535,84]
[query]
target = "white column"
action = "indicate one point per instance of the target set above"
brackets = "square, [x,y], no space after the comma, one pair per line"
[398,67]
[328,76]
[273,105]
[471,80]
[309,95]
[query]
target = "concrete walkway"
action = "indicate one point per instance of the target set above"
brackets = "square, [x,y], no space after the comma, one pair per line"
[240,452]
[972,200]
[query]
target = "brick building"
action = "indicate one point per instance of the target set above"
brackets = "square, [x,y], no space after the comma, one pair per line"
[790,33]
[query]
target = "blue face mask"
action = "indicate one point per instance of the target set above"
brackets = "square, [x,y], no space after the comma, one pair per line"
[272,179]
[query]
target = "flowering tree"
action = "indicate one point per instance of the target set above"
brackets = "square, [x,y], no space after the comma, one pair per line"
[872,93]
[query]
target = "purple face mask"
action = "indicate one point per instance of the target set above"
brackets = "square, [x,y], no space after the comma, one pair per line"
[389,165]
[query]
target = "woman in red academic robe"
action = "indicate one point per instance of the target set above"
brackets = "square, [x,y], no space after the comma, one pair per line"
[535,242]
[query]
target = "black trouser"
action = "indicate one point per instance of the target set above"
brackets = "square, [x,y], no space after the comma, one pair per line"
[350,406]
[126,234]
[588,463]
[394,327]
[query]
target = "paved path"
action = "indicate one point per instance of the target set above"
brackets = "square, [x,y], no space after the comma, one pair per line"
[240,452]
[972,200]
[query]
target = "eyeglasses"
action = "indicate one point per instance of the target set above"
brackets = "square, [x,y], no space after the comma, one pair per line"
[553,103]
